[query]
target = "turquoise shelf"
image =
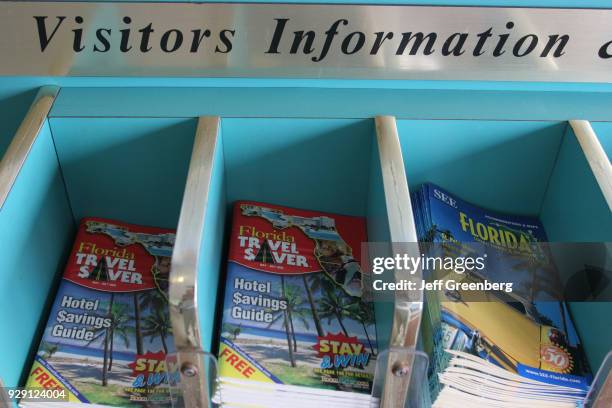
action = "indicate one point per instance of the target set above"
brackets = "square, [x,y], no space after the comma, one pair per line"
[121,148]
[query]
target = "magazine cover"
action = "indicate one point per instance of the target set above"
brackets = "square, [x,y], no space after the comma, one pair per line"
[515,330]
[293,312]
[109,329]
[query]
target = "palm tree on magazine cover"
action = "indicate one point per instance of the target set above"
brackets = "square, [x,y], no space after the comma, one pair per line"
[310,288]
[137,330]
[232,330]
[49,349]
[103,333]
[284,314]
[363,313]
[120,327]
[335,304]
[295,309]
[157,322]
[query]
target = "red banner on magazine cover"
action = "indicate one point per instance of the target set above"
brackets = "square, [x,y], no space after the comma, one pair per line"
[108,331]
[277,239]
[118,257]
[289,272]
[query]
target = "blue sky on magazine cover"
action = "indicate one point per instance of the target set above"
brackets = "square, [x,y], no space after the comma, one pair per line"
[303,324]
[150,343]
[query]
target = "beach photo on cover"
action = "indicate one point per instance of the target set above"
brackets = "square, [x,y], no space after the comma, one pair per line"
[300,310]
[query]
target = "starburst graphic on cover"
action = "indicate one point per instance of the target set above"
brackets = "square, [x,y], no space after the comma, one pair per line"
[109,329]
[293,312]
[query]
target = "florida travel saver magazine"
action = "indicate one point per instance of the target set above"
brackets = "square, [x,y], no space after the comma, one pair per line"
[294,321]
[109,329]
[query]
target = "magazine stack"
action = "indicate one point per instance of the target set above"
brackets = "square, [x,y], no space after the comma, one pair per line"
[295,329]
[506,348]
[109,331]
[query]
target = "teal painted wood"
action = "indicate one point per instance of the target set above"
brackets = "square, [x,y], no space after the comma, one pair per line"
[313,164]
[378,231]
[574,209]
[36,232]
[592,320]
[190,97]
[212,253]
[16,93]
[503,166]
[504,103]
[132,170]
[604,133]
[342,83]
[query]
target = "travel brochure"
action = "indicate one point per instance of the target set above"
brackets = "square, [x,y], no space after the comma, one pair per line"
[293,316]
[108,332]
[296,328]
[508,341]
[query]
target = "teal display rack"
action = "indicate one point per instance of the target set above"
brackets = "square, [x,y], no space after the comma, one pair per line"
[176,152]
[186,171]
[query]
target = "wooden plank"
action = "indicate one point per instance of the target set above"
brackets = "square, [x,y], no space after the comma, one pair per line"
[5,401]
[406,317]
[604,398]
[24,139]
[596,157]
[399,208]
[184,271]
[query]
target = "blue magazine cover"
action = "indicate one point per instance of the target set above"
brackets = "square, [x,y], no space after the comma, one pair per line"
[108,331]
[526,331]
[292,310]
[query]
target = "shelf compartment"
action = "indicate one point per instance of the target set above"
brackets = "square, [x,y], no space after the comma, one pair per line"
[35,226]
[531,168]
[347,166]
[127,169]
[554,170]
[188,172]
[137,170]
[131,169]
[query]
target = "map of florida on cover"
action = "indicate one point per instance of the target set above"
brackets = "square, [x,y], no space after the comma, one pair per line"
[293,312]
[109,329]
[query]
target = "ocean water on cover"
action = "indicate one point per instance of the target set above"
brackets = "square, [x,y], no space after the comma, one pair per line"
[94,352]
[281,334]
